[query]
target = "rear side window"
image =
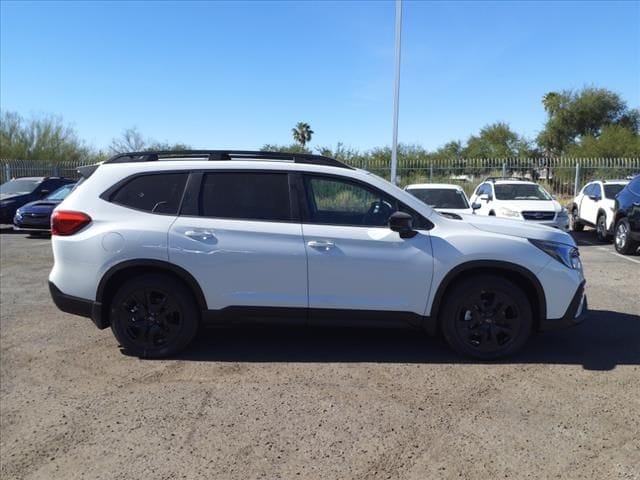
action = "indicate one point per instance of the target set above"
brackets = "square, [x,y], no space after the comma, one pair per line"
[156,193]
[246,196]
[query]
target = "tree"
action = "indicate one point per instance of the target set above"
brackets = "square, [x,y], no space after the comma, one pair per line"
[131,140]
[44,138]
[293,148]
[497,141]
[302,133]
[614,141]
[573,116]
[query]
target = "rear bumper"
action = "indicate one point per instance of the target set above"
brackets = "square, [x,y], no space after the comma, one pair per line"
[77,306]
[575,314]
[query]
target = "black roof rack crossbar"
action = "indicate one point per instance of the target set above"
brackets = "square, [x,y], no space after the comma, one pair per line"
[519,179]
[219,155]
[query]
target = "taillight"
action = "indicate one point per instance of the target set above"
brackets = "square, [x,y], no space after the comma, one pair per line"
[64,222]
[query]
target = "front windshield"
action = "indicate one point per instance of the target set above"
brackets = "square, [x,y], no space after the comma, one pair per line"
[440,197]
[18,186]
[525,191]
[61,193]
[611,190]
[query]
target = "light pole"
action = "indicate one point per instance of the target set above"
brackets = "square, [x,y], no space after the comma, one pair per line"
[396,96]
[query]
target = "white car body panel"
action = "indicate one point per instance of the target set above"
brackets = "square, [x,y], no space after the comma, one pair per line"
[588,208]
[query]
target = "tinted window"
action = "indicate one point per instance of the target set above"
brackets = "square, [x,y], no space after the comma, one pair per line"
[156,193]
[525,191]
[440,197]
[612,189]
[246,195]
[337,202]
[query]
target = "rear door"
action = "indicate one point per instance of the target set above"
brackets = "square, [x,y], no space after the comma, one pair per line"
[238,236]
[355,261]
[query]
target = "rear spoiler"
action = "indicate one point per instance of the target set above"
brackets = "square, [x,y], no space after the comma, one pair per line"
[86,171]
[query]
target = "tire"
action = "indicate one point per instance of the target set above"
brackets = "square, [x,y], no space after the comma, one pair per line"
[469,322]
[601,228]
[575,224]
[622,240]
[154,316]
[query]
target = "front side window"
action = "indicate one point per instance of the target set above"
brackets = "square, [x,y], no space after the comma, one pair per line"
[525,191]
[155,193]
[340,202]
[246,196]
[441,197]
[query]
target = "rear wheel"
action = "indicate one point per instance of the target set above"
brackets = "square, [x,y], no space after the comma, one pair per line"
[486,317]
[153,316]
[622,240]
[576,225]
[601,228]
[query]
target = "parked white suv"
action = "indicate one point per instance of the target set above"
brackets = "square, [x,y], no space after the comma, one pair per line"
[443,197]
[595,206]
[519,199]
[156,244]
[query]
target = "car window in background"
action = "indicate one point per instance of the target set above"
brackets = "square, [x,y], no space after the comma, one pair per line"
[611,190]
[514,191]
[61,193]
[441,197]
[20,185]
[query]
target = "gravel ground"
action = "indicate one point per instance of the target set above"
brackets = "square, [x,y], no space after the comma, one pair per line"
[316,403]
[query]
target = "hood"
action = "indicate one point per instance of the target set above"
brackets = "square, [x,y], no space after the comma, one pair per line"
[454,210]
[518,228]
[40,206]
[531,205]
[13,196]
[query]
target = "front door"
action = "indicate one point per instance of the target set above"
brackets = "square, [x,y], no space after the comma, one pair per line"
[354,260]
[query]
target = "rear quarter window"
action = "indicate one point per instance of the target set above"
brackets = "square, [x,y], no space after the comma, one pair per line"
[159,193]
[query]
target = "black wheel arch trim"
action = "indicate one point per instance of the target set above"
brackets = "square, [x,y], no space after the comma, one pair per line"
[496,265]
[100,315]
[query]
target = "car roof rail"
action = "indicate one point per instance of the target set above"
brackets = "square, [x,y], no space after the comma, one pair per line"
[519,179]
[222,155]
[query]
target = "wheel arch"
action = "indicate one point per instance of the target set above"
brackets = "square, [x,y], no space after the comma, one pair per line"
[121,272]
[522,277]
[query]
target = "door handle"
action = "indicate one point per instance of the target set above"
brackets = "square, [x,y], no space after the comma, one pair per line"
[321,244]
[201,235]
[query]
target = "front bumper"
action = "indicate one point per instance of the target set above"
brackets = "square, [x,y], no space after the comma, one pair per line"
[575,314]
[77,306]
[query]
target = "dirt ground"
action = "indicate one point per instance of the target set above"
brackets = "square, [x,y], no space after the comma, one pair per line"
[316,403]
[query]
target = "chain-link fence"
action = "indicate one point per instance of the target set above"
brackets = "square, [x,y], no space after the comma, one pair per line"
[561,176]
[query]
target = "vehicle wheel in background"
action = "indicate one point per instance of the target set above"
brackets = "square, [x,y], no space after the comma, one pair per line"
[601,228]
[154,316]
[574,224]
[486,317]
[622,239]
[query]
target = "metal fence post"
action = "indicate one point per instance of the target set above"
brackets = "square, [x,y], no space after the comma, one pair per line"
[576,183]
[431,173]
[7,172]
[504,169]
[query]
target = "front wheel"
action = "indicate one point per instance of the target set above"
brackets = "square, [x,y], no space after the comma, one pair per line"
[153,316]
[486,317]
[574,219]
[601,229]
[622,240]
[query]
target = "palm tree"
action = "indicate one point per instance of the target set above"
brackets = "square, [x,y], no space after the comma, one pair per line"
[302,133]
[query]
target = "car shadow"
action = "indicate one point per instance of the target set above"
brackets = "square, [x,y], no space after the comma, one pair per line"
[588,239]
[605,340]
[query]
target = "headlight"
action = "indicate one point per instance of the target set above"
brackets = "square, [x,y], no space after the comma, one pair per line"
[18,215]
[507,212]
[566,254]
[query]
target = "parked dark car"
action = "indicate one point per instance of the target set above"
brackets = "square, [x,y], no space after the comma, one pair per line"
[36,216]
[627,218]
[19,191]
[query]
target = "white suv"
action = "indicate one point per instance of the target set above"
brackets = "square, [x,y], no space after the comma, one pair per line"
[519,200]
[595,206]
[156,244]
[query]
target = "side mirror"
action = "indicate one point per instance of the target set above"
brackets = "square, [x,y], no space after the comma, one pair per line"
[595,198]
[476,206]
[402,223]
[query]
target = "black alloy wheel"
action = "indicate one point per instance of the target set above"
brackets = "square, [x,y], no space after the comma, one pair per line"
[601,229]
[575,226]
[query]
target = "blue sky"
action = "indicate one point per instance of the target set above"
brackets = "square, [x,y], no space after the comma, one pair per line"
[241,74]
